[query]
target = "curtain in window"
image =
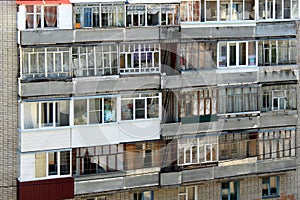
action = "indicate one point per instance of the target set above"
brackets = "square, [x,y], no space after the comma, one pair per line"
[40,165]
[29,16]
[50,15]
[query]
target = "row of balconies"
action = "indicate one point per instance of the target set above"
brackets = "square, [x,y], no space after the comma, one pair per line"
[95,85]
[97,184]
[169,34]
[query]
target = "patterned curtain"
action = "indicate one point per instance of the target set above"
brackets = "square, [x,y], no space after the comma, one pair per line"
[29,16]
[50,15]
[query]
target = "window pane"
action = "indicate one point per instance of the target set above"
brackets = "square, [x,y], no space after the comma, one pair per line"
[127,109]
[273,185]
[40,165]
[47,114]
[211,11]
[140,108]
[109,110]
[242,53]
[147,195]
[62,113]
[152,108]
[233,192]
[80,112]
[191,193]
[64,162]
[265,190]
[95,111]
[31,113]
[208,152]
[112,163]
[50,16]
[52,163]
[251,53]
[232,54]
[87,17]
[223,55]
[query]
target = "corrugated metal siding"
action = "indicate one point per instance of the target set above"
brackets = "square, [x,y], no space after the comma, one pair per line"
[53,189]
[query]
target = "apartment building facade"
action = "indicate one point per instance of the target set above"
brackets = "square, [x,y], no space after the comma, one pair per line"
[110,99]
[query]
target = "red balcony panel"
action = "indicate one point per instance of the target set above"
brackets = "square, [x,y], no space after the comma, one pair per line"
[52,189]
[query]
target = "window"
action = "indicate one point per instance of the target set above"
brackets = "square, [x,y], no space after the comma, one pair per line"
[283,9]
[153,13]
[279,97]
[190,11]
[169,14]
[230,190]
[197,150]
[41,16]
[94,111]
[237,145]
[139,106]
[277,143]
[142,155]
[98,159]
[277,52]
[99,15]
[146,195]
[238,99]
[46,114]
[52,163]
[270,186]
[135,15]
[196,103]
[137,58]
[95,60]
[236,54]
[198,55]
[228,10]
[187,193]
[46,62]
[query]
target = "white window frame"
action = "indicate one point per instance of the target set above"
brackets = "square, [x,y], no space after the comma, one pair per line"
[290,48]
[139,49]
[190,12]
[42,16]
[134,11]
[228,17]
[144,97]
[279,99]
[210,152]
[97,8]
[237,47]
[97,53]
[169,9]
[270,6]
[39,112]
[43,71]
[58,165]
[198,144]
[88,111]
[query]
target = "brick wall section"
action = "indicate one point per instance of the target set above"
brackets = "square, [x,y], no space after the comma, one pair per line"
[8,100]
[297,186]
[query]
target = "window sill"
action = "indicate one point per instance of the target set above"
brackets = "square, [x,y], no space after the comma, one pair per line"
[234,69]
[271,197]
